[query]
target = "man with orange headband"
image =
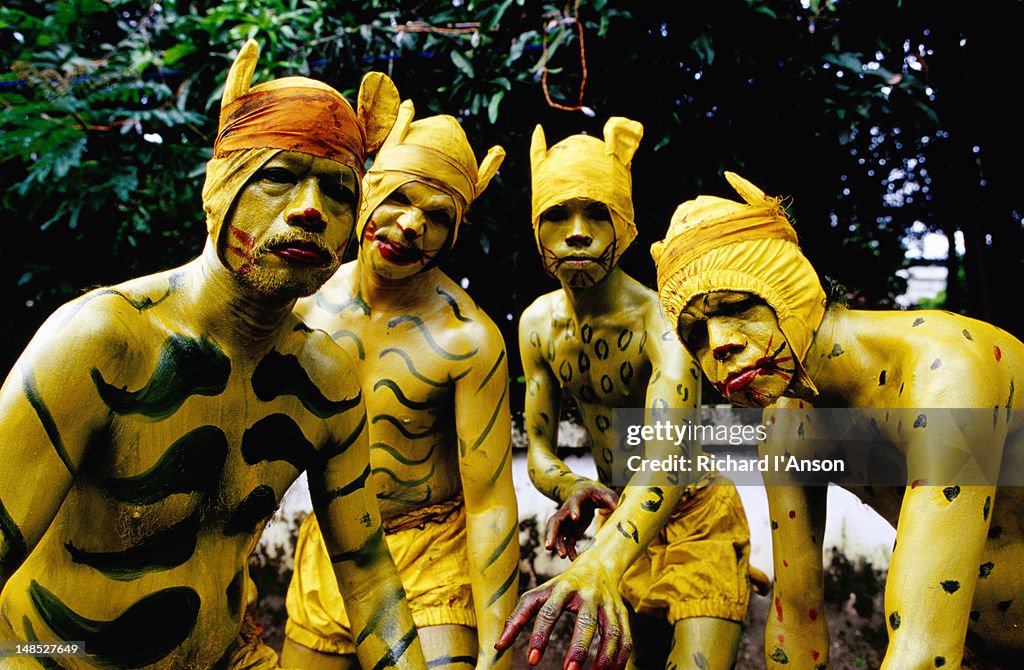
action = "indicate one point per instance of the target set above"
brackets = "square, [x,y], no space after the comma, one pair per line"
[433,371]
[152,427]
[676,551]
[937,408]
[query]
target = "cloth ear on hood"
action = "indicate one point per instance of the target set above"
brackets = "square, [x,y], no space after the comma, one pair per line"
[715,244]
[581,166]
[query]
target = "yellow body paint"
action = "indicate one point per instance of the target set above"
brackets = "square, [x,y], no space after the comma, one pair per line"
[956,564]
[160,421]
[603,339]
[434,375]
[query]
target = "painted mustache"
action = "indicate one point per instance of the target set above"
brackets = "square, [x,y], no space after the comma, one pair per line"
[398,254]
[299,249]
[768,364]
[396,251]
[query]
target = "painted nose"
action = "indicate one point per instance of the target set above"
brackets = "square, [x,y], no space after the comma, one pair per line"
[724,340]
[306,209]
[579,233]
[723,352]
[411,223]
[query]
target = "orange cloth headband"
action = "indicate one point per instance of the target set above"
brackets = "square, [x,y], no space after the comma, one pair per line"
[304,119]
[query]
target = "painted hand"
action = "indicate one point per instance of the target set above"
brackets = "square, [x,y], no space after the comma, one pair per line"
[592,593]
[567,525]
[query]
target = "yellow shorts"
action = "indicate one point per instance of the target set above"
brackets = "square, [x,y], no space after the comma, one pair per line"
[431,559]
[698,564]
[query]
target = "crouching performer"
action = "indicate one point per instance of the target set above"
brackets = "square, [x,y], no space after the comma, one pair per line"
[433,371]
[749,306]
[153,426]
[681,551]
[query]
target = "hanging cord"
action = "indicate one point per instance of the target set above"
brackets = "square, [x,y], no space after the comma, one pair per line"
[583,61]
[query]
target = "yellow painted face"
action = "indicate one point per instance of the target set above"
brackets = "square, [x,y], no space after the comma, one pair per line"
[408,231]
[736,339]
[577,241]
[291,223]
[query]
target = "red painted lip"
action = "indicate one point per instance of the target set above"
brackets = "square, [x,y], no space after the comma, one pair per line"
[576,261]
[302,253]
[396,254]
[737,381]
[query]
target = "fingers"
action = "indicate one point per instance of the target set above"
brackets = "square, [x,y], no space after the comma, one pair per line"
[574,507]
[606,498]
[521,615]
[582,635]
[616,644]
[570,547]
[551,530]
[548,612]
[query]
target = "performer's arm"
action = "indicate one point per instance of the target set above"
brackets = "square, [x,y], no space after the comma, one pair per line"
[346,506]
[50,411]
[952,468]
[485,462]
[590,586]
[577,495]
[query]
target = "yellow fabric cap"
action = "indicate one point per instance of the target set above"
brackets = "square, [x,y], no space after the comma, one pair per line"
[581,166]
[432,151]
[714,244]
[230,169]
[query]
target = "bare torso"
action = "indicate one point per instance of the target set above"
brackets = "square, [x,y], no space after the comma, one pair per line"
[408,363]
[603,362]
[949,422]
[193,448]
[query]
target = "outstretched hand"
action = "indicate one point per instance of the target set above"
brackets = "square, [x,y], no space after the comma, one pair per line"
[567,525]
[593,595]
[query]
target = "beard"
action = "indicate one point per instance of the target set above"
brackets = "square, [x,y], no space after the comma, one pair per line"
[285,280]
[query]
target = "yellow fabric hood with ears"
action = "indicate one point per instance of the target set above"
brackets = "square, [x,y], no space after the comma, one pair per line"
[289,114]
[433,151]
[714,244]
[581,166]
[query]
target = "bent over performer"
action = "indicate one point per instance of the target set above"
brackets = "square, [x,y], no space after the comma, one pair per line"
[937,398]
[153,426]
[681,551]
[433,371]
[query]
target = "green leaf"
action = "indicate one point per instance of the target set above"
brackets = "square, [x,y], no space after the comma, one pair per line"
[462,63]
[492,106]
[703,48]
[125,183]
[177,52]
[849,61]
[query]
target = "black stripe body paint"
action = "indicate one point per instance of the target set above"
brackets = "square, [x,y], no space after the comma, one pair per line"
[282,374]
[277,437]
[254,508]
[192,463]
[14,542]
[162,550]
[186,366]
[31,391]
[145,633]
[418,322]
